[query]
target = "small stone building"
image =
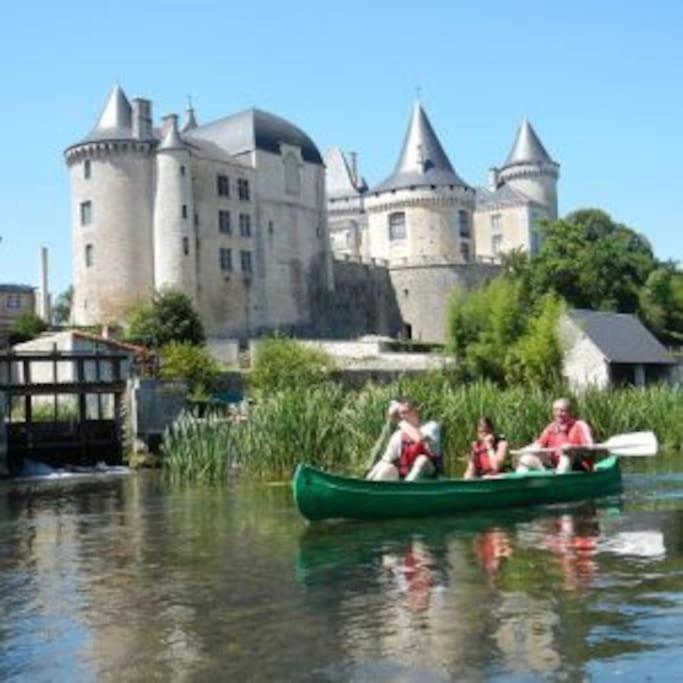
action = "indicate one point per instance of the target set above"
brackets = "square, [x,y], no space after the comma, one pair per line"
[606,350]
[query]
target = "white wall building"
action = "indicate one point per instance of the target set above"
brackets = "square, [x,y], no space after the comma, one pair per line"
[232,213]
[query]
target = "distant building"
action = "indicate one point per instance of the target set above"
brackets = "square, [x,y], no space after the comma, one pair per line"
[605,350]
[15,300]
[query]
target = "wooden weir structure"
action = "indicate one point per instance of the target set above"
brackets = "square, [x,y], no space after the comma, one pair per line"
[62,408]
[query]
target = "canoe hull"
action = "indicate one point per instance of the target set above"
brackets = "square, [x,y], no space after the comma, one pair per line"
[319,495]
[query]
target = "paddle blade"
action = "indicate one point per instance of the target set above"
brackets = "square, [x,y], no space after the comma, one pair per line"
[635,444]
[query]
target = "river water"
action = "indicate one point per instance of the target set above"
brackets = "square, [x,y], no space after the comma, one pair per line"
[130,578]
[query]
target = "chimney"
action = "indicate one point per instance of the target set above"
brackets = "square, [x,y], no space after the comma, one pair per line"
[354,168]
[44,300]
[142,119]
[493,179]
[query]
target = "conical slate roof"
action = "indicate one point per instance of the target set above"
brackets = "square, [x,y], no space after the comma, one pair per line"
[190,120]
[116,119]
[339,177]
[527,147]
[172,139]
[423,160]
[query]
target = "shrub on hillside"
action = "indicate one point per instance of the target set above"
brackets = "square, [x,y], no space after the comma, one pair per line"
[193,364]
[282,363]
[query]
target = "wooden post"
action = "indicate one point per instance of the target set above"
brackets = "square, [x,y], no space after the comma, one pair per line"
[82,407]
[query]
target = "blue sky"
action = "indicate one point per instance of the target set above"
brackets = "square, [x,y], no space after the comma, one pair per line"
[600,81]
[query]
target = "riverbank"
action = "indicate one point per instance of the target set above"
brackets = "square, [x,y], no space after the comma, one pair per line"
[335,429]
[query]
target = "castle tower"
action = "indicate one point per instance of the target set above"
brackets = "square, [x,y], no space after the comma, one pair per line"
[530,170]
[423,211]
[175,248]
[112,175]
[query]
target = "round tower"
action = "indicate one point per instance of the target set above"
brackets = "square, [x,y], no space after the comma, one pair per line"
[175,246]
[423,212]
[112,192]
[530,169]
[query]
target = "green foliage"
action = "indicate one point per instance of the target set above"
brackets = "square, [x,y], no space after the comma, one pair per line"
[61,311]
[592,262]
[26,327]
[335,430]
[661,303]
[281,363]
[169,317]
[193,364]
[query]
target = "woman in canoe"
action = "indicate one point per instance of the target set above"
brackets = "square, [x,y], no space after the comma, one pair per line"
[488,453]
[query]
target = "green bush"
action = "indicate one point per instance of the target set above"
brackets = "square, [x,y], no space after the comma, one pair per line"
[193,364]
[281,363]
[26,327]
[169,317]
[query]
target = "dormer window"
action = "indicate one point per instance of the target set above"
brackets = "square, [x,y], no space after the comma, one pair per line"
[397,226]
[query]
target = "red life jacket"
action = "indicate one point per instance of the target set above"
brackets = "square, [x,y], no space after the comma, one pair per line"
[409,454]
[481,461]
[571,433]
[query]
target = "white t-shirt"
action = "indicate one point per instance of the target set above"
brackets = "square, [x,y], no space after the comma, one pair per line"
[431,431]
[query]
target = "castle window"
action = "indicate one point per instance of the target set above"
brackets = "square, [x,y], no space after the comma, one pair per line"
[224,222]
[186,246]
[292,175]
[245,225]
[496,244]
[87,169]
[89,255]
[13,301]
[245,261]
[223,185]
[464,224]
[196,219]
[182,170]
[270,227]
[397,226]
[243,189]
[86,213]
[225,256]
[465,252]
[495,223]
[183,211]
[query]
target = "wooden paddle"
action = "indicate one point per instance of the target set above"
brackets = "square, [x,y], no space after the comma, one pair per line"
[378,448]
[633,444]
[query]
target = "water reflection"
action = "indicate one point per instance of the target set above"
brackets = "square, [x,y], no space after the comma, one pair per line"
[137,579]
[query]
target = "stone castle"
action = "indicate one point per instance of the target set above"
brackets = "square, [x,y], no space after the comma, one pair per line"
[244,216]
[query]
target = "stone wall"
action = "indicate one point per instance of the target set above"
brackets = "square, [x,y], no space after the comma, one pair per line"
[422,290]
[583,364]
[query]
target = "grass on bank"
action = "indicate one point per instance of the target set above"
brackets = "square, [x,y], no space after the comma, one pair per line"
[336,429]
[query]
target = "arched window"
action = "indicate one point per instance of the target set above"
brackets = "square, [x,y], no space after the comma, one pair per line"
[397,226]
[292,174]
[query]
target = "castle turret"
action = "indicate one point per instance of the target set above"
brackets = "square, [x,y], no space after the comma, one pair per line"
[112,173]
[423,211]
[175,248]
[530,169]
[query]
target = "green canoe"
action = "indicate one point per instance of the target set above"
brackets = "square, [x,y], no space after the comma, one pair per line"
[320,495]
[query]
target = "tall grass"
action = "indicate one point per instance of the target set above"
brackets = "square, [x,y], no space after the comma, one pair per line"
[335,430]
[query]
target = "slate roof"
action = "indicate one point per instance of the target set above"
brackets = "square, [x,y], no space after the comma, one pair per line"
[621,337]
[423,161]
[115,121]
[503,197]
[16,289]
[339,176]
[527,147]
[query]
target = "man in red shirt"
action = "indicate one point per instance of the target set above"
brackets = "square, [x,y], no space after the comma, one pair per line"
[564,435]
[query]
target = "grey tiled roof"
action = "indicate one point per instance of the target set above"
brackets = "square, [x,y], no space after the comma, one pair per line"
[503,197]
[423,161]
[8,288]
[527,147]
[116,119]
[621,337]
[255,129]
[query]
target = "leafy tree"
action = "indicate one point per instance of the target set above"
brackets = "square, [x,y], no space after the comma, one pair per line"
[191,363]
[169,317]
[661,303]
[592,262]
[26,327]
[281,363]
[61,311]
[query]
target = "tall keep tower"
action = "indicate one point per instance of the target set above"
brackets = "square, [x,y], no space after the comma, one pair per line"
[530,170]
[112,192]
[175,243]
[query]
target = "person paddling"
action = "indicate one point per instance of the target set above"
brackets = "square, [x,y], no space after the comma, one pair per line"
[414,449]
[488,452]
[566,436]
